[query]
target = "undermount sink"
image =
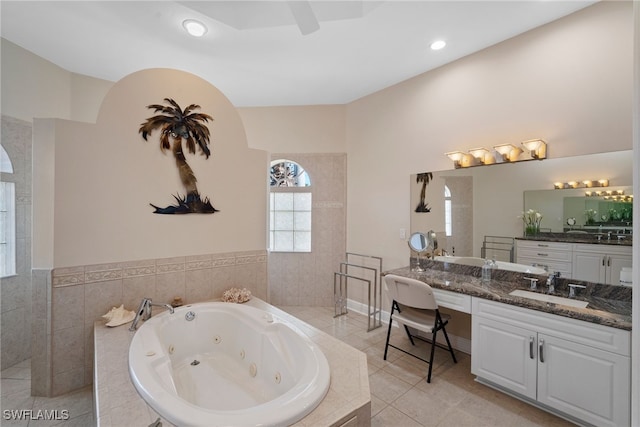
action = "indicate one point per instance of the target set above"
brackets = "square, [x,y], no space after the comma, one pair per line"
[549,298]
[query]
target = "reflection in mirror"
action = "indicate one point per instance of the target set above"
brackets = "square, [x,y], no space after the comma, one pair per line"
[487,201]
[572,210]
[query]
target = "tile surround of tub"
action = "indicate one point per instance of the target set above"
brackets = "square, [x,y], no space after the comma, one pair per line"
[69,300]
[307,278]
[16,290]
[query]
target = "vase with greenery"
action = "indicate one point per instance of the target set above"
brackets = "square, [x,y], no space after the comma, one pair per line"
[532,220]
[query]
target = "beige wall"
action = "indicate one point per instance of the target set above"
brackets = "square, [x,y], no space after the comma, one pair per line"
[300,129]
[568,82]
[105,176]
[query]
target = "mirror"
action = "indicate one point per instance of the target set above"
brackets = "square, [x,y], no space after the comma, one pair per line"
[489,200]
[418,242]
[572,210]
[421,243]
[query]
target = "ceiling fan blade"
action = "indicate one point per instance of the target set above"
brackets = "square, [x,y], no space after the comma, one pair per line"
[304,16]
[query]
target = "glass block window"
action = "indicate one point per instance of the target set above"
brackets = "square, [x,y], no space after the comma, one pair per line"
[7,219]
[289,208]
[447,212]
[285,173]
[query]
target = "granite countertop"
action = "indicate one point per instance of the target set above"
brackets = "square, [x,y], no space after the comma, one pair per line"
[117,403]
[608,305]
[591,238]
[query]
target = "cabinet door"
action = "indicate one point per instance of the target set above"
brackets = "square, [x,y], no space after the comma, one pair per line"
[504,355]
[615,263]
[590,384]
[589,266]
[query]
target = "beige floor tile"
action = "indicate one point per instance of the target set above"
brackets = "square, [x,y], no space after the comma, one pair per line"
[387,387]
[391,417]
[427,410]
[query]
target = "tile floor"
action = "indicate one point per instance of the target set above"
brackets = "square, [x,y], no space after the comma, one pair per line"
[15,389]
[400,395]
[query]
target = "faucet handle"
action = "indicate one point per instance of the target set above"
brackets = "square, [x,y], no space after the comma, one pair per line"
[572,289]
[533,283]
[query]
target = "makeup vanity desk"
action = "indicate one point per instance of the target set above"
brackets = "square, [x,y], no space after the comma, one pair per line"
[574,362]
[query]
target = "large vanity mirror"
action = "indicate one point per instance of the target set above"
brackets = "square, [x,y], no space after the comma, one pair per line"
[464,205]
[588,210]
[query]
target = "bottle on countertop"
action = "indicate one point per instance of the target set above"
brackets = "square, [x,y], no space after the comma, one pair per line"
[486,271]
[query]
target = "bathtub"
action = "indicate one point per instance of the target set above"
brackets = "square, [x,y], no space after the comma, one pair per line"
[502,265]
[231,365]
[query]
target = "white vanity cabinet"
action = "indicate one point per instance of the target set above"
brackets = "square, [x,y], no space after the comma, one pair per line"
[578,368]
[600,263]
[553,256]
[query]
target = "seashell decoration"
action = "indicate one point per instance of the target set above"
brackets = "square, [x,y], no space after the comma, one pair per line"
[236,295]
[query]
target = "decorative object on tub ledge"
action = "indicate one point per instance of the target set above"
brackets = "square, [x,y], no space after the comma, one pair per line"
[532,220]
[423,178]
[177,302]
[178,125]
[236,295]
[118,316]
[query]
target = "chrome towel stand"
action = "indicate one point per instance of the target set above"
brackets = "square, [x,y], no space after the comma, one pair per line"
[374,287]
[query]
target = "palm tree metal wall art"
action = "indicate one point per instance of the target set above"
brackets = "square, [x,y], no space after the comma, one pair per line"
[423,178]
[177,126]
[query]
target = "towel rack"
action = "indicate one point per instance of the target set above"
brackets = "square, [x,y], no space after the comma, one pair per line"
[374,286]
[493,246]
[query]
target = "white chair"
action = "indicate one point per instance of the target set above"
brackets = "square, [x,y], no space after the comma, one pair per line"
[413,305]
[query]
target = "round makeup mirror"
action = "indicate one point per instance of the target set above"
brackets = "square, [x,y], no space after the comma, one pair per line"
[421,243]
[418,242]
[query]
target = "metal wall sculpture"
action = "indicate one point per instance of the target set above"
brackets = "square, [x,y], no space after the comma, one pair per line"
[178,126]
[423,178]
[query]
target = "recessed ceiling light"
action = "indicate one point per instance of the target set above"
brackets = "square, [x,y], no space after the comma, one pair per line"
[195,28]
[438,44]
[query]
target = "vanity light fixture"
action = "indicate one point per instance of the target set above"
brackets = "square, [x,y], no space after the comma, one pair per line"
[510,152]
[460,159]
[483,155]
[195,28]
[537,148]
[577,184]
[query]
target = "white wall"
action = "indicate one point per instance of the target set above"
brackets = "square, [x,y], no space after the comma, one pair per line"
[568,82]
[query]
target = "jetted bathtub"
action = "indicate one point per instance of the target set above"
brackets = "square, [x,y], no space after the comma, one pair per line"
[230,365]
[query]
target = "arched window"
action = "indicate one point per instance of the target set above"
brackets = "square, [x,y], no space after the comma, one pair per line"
[290,205]
[447,212]
[7,217]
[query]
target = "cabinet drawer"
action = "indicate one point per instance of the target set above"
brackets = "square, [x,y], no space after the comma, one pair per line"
[603,249]
[603,337]
[453,300]
[543,253]
[540,244]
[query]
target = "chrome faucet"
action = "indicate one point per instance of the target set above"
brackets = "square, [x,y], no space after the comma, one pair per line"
[552,279]
[144,311]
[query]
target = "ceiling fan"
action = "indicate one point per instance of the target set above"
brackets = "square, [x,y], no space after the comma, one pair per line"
[304,16]
[251,14]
